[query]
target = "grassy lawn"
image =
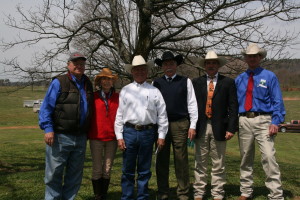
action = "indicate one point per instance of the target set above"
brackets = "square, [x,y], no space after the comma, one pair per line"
[22,168]
[22,154]
[11,106]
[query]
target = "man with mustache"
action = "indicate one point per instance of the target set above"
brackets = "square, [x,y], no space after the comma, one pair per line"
[218,118]
[179,95]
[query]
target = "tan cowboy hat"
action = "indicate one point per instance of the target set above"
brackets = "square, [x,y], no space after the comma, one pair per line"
[254,49]
[211,55]
[106,72]
[138,61]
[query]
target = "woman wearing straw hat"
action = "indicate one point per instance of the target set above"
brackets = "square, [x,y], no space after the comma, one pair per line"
[102,137]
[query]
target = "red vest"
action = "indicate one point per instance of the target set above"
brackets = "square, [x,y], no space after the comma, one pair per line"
[102,123]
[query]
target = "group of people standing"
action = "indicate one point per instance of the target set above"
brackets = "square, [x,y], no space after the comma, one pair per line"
[208,110]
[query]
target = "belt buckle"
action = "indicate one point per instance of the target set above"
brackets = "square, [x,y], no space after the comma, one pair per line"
[250,114]
[138,127]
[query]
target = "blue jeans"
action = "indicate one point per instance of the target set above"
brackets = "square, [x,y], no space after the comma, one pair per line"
[137,156]
[64,166]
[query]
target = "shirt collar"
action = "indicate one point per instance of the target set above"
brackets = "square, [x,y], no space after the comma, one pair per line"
[216,76]
[171,77]
[255,71]
[138,85]
[77,80]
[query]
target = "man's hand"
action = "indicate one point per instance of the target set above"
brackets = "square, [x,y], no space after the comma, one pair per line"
[121,144]
[273,129]
[228,135]
[160,144]
[191,134]
[49,138]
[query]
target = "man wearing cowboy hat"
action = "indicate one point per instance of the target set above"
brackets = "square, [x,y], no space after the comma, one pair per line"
[261,109]
[217,123]
[65,117]
[141,114]
[179,95]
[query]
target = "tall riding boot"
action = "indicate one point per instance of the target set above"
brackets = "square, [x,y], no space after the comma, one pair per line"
[97,185]
[104,188]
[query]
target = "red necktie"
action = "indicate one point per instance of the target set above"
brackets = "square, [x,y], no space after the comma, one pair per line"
[248,100]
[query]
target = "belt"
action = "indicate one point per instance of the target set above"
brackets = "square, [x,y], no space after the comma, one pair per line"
[253,114]
[140,127]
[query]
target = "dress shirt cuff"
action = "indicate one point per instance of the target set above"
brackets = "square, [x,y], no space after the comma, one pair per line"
[48,130]
[119,136]
[161,135]
[193,125]
[277,119]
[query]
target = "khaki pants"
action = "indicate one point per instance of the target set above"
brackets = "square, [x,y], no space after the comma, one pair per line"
[251,129]
[206,146]
[103,154]
[177,136]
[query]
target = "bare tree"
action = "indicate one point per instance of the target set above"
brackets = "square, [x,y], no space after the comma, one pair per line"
[111,32]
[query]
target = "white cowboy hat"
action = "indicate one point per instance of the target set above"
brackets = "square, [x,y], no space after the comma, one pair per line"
[254,49]
[211,55]
[138,61]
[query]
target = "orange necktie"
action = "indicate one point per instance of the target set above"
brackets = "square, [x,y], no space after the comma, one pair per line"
[210,94]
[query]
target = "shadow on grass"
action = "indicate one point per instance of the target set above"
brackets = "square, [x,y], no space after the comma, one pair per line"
[233,192]
[28,164]
[117,195]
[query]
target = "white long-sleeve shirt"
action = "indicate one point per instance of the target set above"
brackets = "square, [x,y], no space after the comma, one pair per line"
[192,104]
[141,104]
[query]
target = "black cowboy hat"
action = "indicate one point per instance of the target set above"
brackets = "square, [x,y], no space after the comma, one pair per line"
[168,55]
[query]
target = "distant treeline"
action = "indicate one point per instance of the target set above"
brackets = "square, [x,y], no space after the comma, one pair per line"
[287,71]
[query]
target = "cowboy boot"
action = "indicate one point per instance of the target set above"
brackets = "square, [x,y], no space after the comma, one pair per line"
[97,185]
[104,189]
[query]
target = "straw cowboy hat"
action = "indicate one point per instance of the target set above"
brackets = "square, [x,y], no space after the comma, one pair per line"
[106,72]
[138,61]
[211,55]
[254,49]
[168,55]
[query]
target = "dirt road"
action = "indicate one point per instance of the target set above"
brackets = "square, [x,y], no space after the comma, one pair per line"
[19,127]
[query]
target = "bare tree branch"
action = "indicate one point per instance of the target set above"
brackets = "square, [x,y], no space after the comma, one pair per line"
[111,32]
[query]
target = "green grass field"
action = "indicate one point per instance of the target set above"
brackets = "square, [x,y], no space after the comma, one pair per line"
[22,157]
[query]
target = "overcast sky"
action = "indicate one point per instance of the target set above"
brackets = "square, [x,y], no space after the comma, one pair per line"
[8,7]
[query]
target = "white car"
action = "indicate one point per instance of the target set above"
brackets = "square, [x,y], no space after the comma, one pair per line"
[37,105]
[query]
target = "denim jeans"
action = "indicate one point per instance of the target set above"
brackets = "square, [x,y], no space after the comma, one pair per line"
[64,166]
[137,156]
